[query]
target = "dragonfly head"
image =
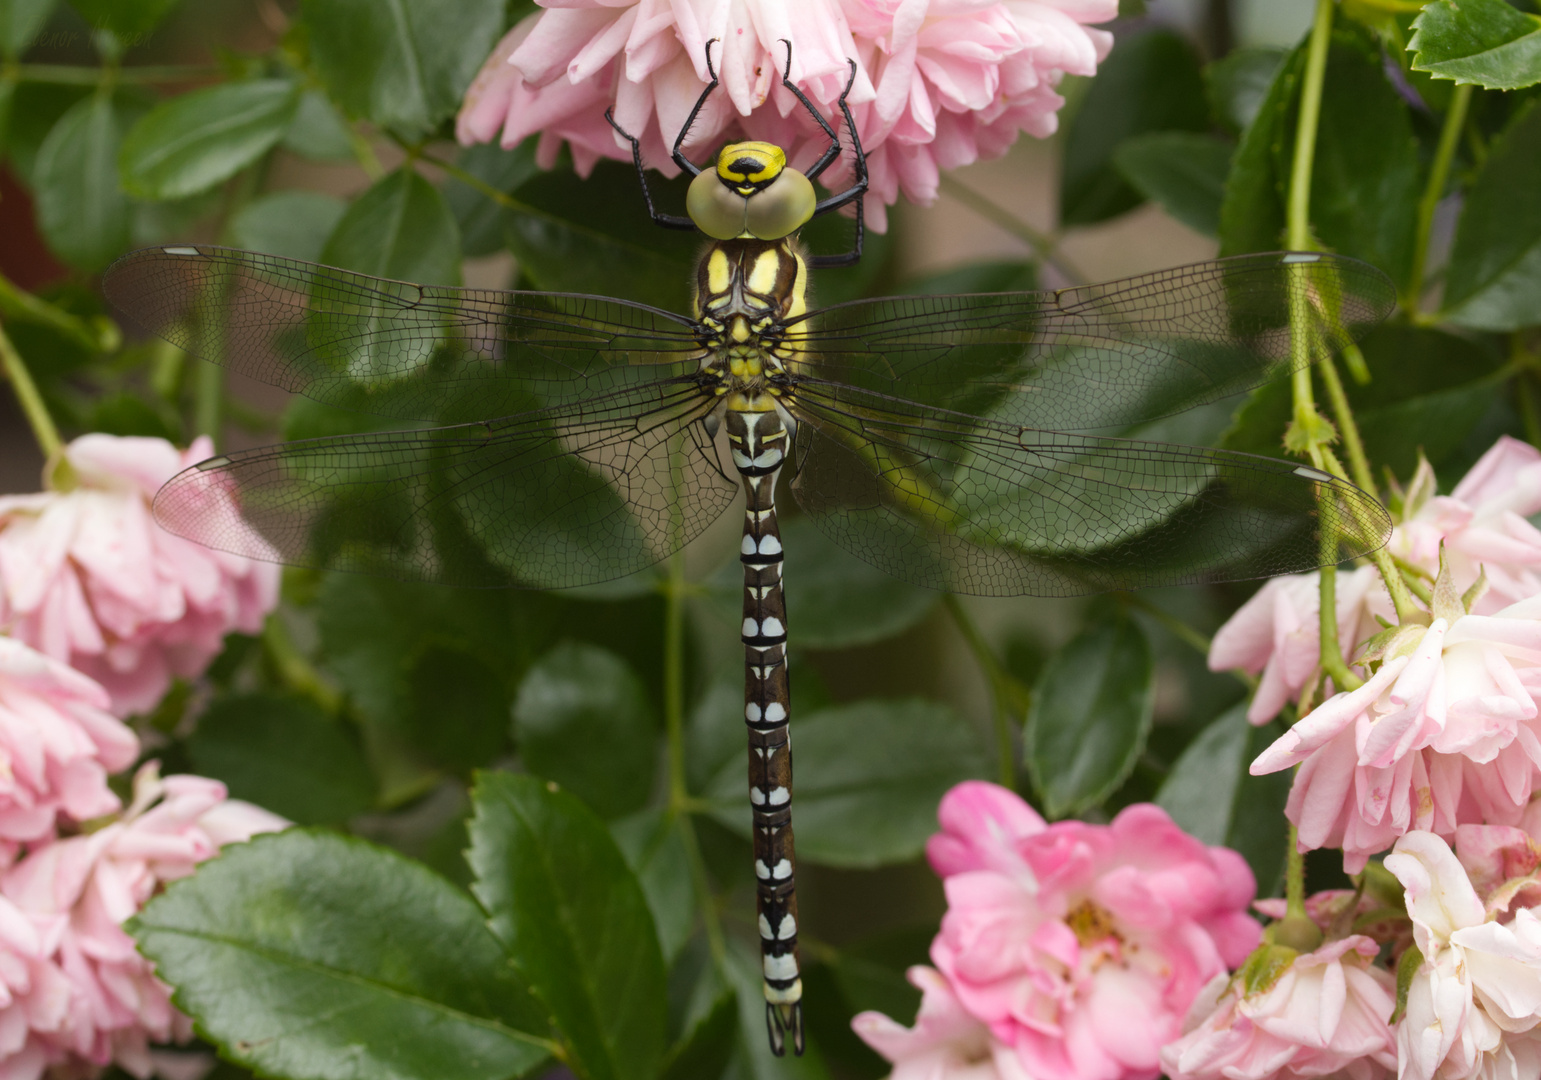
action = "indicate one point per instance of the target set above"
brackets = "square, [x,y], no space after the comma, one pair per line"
[751,193]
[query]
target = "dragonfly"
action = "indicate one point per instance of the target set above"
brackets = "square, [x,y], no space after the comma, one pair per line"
[973,443]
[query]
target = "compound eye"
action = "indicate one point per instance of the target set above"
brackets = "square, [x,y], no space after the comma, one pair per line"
[717,212]
[782,208]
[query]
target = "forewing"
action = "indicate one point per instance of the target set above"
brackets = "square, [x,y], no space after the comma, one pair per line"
[394,348]
[951,502]
[1100,357]
[566,496]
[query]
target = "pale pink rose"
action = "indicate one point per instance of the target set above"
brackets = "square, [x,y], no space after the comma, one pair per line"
[1445,733]
[34,993]
[93,882]
[1082,946]
[946,1043]
[981,824]
[939,83]
[1475,1003]
[1278,633]
[1483,526]
[87,577]
[1325,1014]
[58,742]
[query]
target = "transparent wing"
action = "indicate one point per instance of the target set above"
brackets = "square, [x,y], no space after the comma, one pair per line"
[948,501]
[565,496]
[1100,356]
[393,348]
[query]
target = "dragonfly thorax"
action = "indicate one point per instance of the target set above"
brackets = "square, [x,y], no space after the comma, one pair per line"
[745,293]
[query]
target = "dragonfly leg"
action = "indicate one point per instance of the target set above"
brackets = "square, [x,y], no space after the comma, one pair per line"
[858,187]
[679,140]
[759,442]
[668,221]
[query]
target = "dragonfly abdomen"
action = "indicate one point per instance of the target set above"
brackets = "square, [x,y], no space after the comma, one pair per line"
[758,440]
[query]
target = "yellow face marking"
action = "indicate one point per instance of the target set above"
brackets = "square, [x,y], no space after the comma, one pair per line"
[719,272]
[750,165]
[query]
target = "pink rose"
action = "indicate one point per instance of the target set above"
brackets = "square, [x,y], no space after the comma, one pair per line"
[1325,1013]
[939,83]
[88,885]
[946,1042]
[1082,946]
[57,745]
[87,577]
[1446,732]
[1474,1005]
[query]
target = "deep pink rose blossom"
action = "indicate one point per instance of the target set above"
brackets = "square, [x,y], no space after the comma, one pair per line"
[946,1043]
[87,885]
[939,83]
[58,742]
[1082,946]
[1445,733]
[87,577]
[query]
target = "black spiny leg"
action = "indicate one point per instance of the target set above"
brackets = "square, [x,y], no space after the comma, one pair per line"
[668,221]
[671,221]
[853,193]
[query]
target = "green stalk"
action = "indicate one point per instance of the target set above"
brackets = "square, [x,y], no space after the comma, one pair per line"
[1332,650]
[1308,422]
[1045,246]
[1439,173]
[32,406]
[1295,877]
[680,803]
[1358,463]
[997,678]
[98,335]
[209,402]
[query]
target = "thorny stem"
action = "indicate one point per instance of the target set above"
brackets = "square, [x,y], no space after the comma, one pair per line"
[1332,650]
[31,401]
[1353,445]
[681,806]
[1298,214]
[1407,609]
[1044,245]
[998,679]
[1439,172]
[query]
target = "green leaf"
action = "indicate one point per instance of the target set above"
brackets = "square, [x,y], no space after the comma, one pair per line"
[1428,391]
[594,236]
[34,110]
[318,132]
[459,708]
[20,20]
[202,138]
[995,276]
[1366,180]
[83,214]
[582,719]
[1090,715]
[401,64]
[706,1047]
[132,19]
[306,954]
[1183,171]
[655,849]
[574,922]
[401,229]
[285,754]
[1238,83]
[834,600]
[1210,794]
[290,223]
[1486,42]
[868,778]
[1494,279]
[1150,82]
[480,218]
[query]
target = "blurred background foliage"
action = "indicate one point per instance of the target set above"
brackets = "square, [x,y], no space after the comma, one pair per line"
[366,705]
